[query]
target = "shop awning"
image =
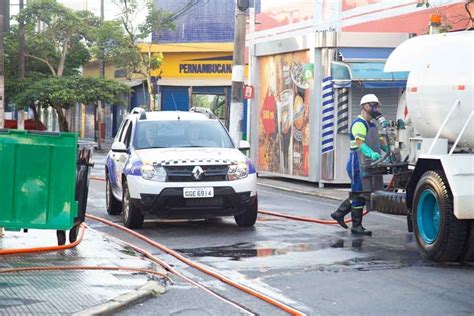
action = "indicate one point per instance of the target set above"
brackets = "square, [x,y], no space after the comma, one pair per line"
[366,66]
[364,54]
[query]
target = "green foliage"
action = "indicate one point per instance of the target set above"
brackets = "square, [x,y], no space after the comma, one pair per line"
[56,36]
[64,91]
[128,55]
[109,40]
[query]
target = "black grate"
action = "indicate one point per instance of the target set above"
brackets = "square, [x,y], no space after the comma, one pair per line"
[184,173]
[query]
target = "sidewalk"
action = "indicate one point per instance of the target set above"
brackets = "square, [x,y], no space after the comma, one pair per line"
[72,291]
[334,192]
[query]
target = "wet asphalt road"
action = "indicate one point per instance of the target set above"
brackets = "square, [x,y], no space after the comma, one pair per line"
[318,269]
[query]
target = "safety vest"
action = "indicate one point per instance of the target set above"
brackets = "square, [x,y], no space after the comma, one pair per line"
[359,129]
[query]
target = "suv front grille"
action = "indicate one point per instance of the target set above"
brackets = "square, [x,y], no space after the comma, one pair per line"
[184,173]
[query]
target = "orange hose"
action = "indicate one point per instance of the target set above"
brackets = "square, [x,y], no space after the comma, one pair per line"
[298,218]
[199,267]
[306,219]
[142,251]
[44,249]
[179,274]
[58,268]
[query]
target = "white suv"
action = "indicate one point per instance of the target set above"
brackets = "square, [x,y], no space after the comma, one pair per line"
[178,165]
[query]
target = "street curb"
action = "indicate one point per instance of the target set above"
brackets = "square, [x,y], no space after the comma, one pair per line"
[321,195]
[150,289]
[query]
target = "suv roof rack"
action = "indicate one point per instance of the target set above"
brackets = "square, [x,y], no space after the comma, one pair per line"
[204,111]
[141,111]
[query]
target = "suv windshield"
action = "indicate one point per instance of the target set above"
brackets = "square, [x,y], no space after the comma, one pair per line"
[181,133]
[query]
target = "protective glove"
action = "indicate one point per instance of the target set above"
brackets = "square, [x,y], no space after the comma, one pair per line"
[375,156]
[368,152]
[384,123]
[386,148]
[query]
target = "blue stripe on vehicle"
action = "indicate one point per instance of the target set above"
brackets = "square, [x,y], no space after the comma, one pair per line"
[111,168]
[133,166]
[252,168]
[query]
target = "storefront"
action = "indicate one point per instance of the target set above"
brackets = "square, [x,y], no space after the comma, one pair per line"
[308,90]
[197,74]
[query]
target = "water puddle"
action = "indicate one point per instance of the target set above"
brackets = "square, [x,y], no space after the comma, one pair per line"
[327,254]
[242,251]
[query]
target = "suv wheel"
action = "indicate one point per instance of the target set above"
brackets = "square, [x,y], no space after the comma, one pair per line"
[249,217]
[132,215]
[113,205]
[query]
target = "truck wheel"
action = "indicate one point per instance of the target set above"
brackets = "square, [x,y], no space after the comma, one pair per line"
[469,255]
[439,235]
[113,206]
[249,217]
[132,215]
[389,202]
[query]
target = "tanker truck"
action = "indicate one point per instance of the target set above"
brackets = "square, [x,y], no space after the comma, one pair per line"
[432,146]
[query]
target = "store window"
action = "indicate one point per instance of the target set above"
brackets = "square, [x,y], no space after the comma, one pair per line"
[215,102]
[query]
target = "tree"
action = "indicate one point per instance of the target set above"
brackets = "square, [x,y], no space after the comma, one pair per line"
[59,41]
[132,59]
[56,36]
[64,92]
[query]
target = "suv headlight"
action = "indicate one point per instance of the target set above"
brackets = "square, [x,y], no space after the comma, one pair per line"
[154,173]
[238,171]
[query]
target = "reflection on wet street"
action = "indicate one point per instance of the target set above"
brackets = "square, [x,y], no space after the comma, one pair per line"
[315,268]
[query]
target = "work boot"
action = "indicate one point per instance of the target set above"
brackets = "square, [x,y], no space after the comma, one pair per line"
[357,228]
[341,212]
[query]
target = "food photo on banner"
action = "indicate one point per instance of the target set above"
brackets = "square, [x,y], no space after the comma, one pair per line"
[285,90]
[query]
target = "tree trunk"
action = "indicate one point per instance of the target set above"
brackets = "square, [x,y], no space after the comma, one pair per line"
[97,108]
[63,125]
[21,119]
[151,92]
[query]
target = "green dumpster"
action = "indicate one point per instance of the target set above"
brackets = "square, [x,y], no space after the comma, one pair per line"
[38,183]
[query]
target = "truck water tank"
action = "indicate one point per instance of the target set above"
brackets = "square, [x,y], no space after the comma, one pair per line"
[440,74]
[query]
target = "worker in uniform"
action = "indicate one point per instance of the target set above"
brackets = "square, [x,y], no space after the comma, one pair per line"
[366,148]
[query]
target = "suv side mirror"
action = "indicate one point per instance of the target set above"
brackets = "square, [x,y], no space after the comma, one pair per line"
[119,147]
[244,145]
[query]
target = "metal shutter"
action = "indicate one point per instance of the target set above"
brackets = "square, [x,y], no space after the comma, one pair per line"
[174,98]
[388,97]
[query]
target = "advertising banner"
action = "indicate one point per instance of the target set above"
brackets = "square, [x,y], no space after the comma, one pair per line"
[277,13]
[286,82]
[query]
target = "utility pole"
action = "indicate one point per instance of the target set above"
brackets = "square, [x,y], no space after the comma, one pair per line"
[21,65]
[98,112]
[236,106]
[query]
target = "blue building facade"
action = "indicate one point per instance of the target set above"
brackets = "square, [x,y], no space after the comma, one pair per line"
[206,21]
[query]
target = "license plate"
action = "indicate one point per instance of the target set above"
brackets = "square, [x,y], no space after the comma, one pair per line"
[196,193]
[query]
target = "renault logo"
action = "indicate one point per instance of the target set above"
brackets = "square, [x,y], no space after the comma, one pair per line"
[197,172]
